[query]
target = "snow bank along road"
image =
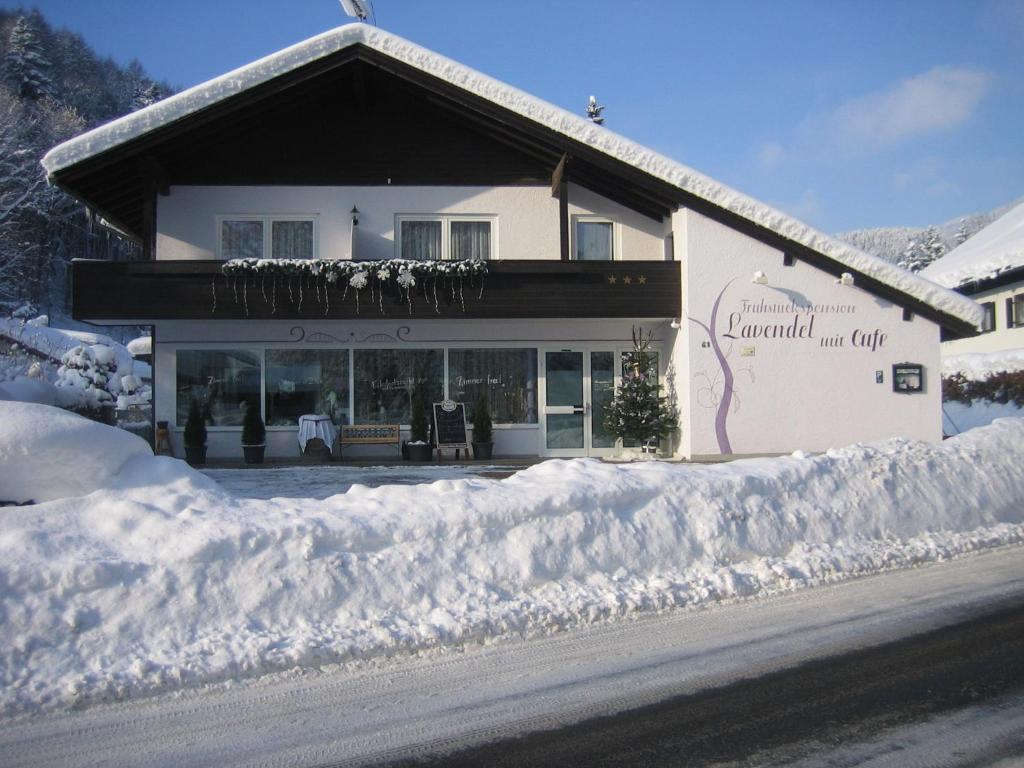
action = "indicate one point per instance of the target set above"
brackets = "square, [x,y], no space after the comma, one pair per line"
[136,575]
[405,708]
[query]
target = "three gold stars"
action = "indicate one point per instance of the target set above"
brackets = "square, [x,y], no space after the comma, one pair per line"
[627,280]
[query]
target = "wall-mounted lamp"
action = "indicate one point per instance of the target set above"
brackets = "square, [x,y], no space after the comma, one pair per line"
[355,216]
[675,324]
[760,278]
[845,279]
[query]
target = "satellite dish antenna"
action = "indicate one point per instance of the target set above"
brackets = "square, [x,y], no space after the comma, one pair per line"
[358,9]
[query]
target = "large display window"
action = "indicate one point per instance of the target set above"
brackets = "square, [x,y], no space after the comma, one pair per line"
[386,380]
[223,381]
[506,377]
[301,381]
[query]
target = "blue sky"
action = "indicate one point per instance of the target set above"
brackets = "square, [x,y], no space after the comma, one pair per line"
[845,114]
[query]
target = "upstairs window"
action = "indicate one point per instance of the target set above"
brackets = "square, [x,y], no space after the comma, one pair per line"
[594,239]
[988,322]
[433,238]
[267,237]
[1015,311]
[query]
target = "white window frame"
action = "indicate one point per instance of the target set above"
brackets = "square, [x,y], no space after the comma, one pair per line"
[446,220]
[1015,311]
[268,220]
[580,218]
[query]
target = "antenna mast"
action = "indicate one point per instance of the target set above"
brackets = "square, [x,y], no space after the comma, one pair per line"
[359,9]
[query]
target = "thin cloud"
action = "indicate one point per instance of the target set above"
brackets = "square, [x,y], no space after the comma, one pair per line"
[937,100]
[770,155]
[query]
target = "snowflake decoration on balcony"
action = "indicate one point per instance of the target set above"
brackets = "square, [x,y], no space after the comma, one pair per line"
[358,281]
[406,279]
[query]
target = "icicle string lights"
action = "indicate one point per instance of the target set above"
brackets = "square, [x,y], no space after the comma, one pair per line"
[403,274]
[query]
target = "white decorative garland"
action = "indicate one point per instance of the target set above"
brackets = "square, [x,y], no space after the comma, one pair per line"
[405,274]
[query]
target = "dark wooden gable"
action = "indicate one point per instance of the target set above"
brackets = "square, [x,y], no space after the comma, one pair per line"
[357,117]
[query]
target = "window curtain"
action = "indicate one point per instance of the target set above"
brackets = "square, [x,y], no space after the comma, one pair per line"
[593,241]
[471,239]
[421,240]
[292,239]
[241,239]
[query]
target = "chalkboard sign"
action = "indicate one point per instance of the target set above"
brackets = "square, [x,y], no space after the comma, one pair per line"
[450,425]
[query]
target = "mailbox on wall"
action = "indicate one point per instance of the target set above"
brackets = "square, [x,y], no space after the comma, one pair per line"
[908,377]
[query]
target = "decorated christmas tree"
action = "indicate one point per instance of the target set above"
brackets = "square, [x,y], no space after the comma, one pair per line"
[639,410]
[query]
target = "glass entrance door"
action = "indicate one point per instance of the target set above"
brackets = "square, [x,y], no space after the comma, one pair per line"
[577,385]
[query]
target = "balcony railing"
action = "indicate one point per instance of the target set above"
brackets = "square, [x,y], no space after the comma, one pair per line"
[198,290]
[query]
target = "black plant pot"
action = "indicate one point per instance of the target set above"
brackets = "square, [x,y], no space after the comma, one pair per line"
[420,452]
[254,453]
[195,454]
[482,450]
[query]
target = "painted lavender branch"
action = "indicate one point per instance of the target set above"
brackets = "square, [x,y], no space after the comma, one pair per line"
[721,431]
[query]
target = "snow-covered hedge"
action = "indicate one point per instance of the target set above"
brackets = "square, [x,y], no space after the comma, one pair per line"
[161,580]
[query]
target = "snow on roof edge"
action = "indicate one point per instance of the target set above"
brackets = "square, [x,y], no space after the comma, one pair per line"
[585,131]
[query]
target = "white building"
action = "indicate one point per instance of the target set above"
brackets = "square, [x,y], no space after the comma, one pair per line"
[358,146]
[989,267]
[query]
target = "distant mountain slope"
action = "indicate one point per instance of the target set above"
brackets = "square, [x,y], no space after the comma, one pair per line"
[890,243]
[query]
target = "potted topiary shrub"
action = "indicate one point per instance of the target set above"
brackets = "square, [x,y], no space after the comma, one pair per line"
[483,430]
[254,436]
[418,447]
[195,435]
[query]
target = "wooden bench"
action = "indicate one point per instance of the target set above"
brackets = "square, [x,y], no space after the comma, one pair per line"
[369,434]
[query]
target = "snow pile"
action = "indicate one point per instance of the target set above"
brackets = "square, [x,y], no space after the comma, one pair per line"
[143,345]
[163,580]
[996,249]
[554,118]
[29,389]
[47,453]
[978,366]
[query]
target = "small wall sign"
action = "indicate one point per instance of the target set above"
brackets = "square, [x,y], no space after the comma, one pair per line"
[908,377]
[879,377]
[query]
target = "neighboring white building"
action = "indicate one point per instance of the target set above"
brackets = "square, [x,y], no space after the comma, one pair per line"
[989,267]
[357,147]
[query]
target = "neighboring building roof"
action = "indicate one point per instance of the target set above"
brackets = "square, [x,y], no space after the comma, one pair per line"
[577,128]
[994,251]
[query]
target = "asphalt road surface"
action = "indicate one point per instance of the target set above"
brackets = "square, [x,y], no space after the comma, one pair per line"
[814,709]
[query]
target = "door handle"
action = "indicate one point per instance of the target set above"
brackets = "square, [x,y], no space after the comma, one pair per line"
[578,409]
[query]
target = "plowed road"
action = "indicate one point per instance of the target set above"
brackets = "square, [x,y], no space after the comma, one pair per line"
[419,708]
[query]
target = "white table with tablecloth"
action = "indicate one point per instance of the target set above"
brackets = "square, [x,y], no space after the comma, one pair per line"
[316,425]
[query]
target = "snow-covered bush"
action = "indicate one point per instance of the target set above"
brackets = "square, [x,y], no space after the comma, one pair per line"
[87,381]
[998,387]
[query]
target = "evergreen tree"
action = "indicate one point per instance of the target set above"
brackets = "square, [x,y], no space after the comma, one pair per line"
[923,250]
[639,410]
[26,68]
[962,233]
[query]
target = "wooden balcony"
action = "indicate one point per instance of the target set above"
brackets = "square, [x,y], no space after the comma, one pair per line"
[197,290]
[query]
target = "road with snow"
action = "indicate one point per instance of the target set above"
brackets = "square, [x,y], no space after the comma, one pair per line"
[438,703]
[950,697]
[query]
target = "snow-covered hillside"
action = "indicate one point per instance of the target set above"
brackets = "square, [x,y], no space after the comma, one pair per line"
[158,579]
[890,243]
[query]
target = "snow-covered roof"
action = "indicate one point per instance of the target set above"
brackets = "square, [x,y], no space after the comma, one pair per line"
[555,118]
[997,249]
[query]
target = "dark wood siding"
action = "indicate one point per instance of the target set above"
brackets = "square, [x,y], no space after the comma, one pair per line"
[163,290]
